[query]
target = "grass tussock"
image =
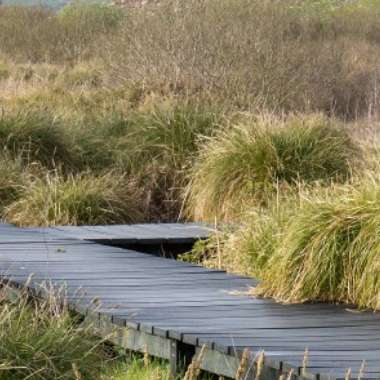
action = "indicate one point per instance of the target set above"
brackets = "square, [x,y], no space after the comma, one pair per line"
[158,145]
[35,137]
[248,163]
[12,176]
[54,199]
[42,340]
[247,246]
[329,250]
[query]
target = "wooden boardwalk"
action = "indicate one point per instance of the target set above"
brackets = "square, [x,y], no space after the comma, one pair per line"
[164,239]
[173,308]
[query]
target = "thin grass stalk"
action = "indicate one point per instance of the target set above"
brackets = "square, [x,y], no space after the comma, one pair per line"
[243,365]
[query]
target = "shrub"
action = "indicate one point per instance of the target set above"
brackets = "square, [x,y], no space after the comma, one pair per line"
[35,136]
[330,249]
[43,341]
[29,34]
[254,54]
[75,200]
[83,24]
[247,163]
[38,34]
[90,18]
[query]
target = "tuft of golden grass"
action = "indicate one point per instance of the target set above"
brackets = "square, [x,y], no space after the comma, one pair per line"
[329,248]
[248,163]
[243,365]
[194,369]
[55,199]
[260,365]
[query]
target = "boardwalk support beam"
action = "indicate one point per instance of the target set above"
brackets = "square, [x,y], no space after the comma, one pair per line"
[181,355]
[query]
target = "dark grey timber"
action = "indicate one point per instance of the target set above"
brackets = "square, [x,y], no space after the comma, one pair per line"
[161,239]
[171,309]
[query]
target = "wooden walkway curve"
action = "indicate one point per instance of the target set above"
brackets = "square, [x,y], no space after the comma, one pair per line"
[174,308]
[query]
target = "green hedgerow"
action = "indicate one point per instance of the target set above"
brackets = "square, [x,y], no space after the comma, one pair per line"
[247,163]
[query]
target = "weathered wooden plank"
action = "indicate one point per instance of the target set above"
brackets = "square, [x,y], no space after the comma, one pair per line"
[148,303]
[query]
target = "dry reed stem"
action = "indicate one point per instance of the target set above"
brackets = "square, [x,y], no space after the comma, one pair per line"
[146,357]
[194,369]
[76,372]
[362,370]
[348,374]
[290,374]
[305,360]
[243,366]
[260,365]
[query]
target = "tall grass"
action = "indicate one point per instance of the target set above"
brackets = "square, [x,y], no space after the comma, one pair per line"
[246,247]
[12,177]
[41,340]
[248,163]
[167,133]
[329,251]
[136,370]
[35,137]
[158,145]
[53,199]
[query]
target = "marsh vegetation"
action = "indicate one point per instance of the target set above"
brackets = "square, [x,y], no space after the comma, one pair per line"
[259,116]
